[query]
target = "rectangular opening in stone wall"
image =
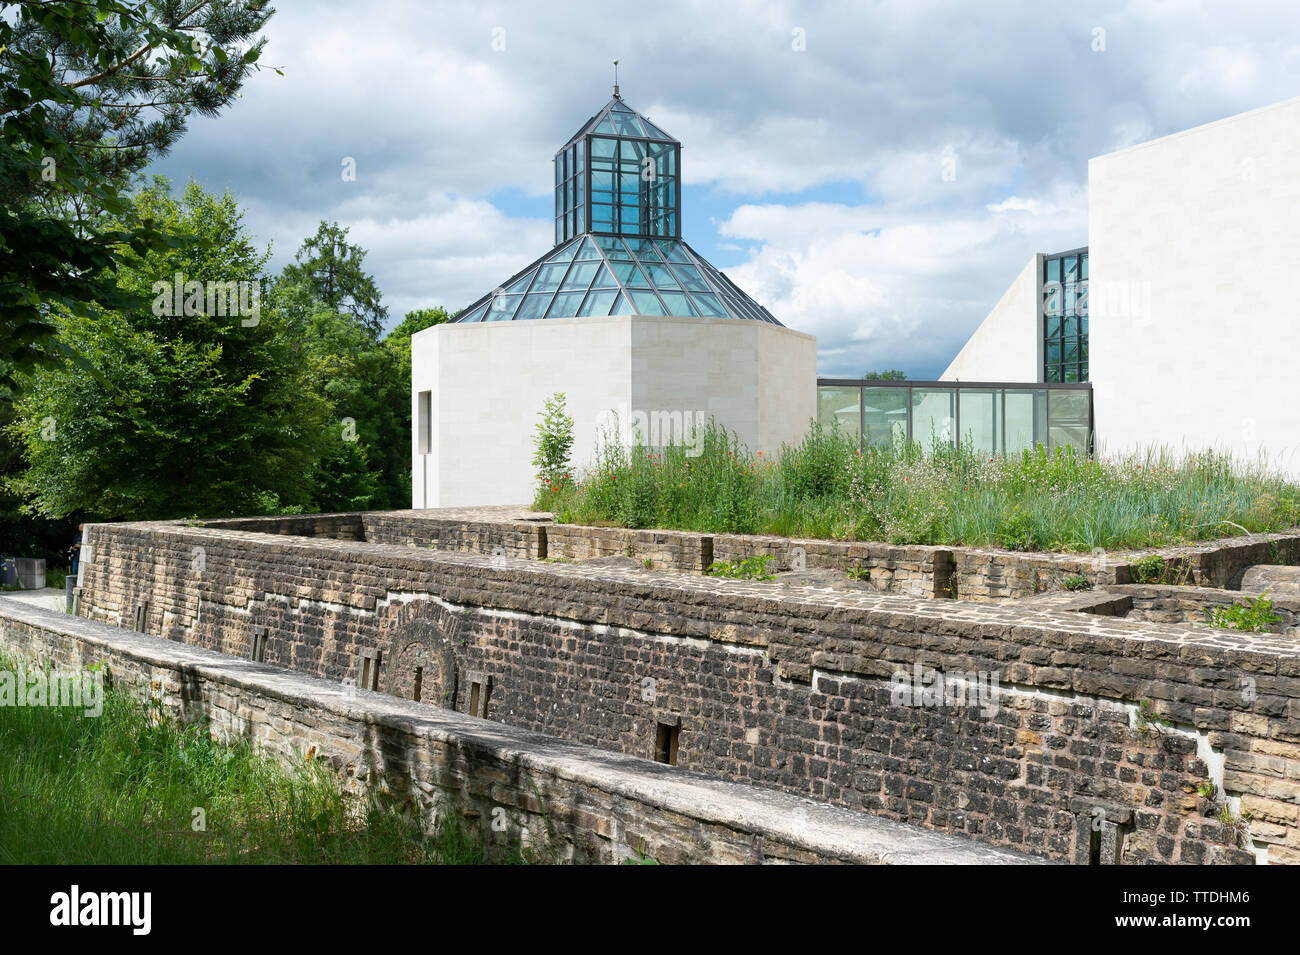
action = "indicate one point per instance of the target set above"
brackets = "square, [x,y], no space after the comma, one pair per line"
[140,618]
[368,669]
[480,688]
[424,426]
[666,737]
[257,645]
[417,684]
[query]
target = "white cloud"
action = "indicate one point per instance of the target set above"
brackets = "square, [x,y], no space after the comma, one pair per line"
[827,164]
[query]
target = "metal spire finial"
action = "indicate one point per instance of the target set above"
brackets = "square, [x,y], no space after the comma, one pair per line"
[616,96]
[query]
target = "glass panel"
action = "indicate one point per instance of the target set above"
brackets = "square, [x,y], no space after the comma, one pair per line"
[548,277]
[981,419]
[476,315]
[565,254]
[622,306]
[631,151]
[605,126]
[708,304]
[587,251]
[1052,298]
[501,307]
[636,279]
[934,416]
[580,276]
[604,279]
[534,306]
[1083,266]
[840,406]
[1026,419]
[1053,270]
[625,271]
[677,303]
[653,130]
[598,303]
[691,278]
[565,305]
[886,415]
[661,277]
[629,124]
[613,247]
[1067,419]
[520,284]
[673,252]
[646,303]
[602,148]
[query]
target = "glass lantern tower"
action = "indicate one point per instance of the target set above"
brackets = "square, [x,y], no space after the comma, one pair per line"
[618,246]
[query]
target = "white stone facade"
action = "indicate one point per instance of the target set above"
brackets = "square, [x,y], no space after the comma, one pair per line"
[1193,242]
[477,389]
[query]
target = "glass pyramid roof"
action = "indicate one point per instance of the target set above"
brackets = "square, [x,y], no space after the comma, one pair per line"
[616,118]
[612,275]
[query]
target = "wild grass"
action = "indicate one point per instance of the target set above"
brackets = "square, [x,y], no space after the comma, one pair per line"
[825,487]
[123,787]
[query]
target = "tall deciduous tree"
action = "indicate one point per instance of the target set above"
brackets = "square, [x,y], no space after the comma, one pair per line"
[192,409]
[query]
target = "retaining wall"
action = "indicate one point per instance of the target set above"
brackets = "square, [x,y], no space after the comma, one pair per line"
[564,801]
[792,688]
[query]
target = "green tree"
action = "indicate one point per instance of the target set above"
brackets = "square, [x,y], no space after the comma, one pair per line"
[891,374]
[189,411]
[364,382]
[331,269]
[89,92]
[553,441]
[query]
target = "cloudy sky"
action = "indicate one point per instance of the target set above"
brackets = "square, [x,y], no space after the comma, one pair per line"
[874,173]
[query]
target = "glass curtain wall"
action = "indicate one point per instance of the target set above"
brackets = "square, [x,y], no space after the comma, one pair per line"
[992,419]
[1065,316]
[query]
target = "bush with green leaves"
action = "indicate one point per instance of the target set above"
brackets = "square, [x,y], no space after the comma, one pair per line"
[1255,615]
[1149,569]
[553,443]
[747,568]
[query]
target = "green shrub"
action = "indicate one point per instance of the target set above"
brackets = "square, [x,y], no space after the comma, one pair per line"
[1016,530]
[1253,615]
[747,568]
[1149,569]
[1075,582]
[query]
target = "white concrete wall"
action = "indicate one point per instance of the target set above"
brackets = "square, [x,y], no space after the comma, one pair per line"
[491,379]
[1195,249]
[1008,345]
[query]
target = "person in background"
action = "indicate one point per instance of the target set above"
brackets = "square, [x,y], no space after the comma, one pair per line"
[75,550]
